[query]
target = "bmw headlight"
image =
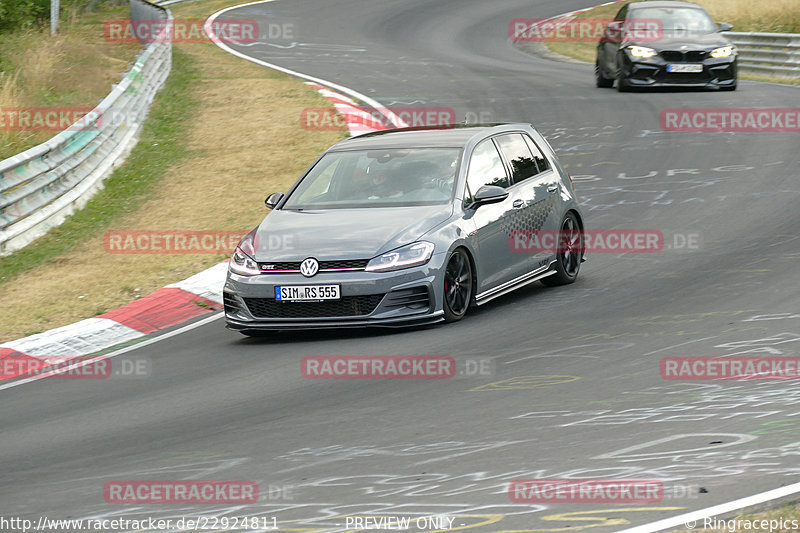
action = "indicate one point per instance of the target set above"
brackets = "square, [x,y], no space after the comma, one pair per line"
[407,256]
[242,261]
[641,51]
[723,51]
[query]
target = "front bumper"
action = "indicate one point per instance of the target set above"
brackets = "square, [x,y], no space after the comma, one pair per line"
[391,299]
[652,72]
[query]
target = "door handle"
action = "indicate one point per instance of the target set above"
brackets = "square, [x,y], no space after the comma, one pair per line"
[552,188]
[517,203]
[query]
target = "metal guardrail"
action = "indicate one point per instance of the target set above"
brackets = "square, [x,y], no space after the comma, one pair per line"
[43,185]
[768,54]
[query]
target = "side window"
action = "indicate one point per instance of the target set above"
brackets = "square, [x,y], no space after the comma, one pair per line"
[518,155]
[486,167]
[621,13]
[541,160]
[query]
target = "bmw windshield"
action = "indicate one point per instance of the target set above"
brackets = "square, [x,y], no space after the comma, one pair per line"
[378,178]
[673,19]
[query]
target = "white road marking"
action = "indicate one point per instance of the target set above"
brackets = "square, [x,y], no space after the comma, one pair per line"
[676,345]
[207,27]
[693,517]
[84,362]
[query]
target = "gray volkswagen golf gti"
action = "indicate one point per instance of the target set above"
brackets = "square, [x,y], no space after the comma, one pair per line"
[405,227]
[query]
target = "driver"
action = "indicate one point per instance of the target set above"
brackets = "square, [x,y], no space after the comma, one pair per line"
[381,184]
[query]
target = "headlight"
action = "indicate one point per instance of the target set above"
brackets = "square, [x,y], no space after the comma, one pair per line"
[242,261]
[641,51]
[724,51]
[408,256]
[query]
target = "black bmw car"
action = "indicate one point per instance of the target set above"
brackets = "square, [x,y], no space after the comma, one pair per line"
[665,44]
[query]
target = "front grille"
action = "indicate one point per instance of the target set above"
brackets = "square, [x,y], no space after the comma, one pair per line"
[684,77]
[676,56]
[695,56]
[415,298]
[283,265]
[355,263]
[294,266]
[345,306]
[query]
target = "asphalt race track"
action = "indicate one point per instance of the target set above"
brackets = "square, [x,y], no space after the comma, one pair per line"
[574,388]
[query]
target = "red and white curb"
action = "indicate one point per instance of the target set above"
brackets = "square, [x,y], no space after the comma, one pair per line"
[359,119]
[197,295]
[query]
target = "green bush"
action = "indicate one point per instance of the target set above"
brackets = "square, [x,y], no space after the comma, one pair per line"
[24,14]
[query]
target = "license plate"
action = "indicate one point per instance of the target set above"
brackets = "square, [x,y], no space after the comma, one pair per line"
[306,293]
[684,68]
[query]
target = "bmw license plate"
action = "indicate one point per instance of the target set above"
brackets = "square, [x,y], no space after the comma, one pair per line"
[306,293]
[684,68]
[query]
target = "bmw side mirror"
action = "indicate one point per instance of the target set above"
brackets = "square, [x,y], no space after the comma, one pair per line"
[613,33]
[273,199]
[724,26]
[489,194]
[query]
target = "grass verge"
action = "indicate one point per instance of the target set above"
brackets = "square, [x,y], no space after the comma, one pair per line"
[221,135]
[130,185]
[73,69]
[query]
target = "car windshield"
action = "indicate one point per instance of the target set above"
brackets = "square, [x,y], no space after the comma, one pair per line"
[378,178]
[678,18]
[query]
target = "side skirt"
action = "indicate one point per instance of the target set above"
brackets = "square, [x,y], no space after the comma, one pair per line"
[516,283]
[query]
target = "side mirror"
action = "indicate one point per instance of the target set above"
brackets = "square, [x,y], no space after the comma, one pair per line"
[273,199]
[489,194]
[613,33]
[724,26]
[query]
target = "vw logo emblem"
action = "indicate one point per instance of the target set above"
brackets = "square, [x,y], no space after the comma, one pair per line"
[309,267]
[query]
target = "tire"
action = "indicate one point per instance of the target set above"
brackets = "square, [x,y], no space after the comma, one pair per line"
[600,80]
[458,292]
[622,83]
[622,80]
[569,254]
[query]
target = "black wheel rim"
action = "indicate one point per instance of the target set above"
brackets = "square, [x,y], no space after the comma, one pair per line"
[458,284]
[572,247]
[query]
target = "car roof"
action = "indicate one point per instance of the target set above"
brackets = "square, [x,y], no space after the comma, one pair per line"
[663,3]
[450,135]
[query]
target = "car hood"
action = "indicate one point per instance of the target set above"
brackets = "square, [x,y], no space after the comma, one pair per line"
[675,40]
[332,234]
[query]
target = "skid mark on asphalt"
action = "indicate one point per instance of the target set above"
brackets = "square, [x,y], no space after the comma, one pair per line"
[524,383]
